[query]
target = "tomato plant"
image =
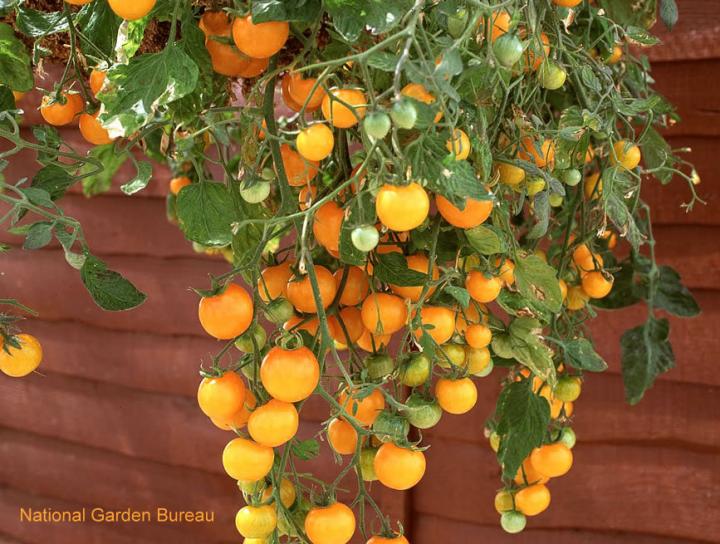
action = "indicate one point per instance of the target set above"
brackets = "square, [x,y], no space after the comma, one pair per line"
[410,197]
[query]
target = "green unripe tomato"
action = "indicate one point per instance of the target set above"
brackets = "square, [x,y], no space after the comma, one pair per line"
[551,76]
[279,310]
[571,177]
[556,200]
[454,352]
[389,427]
[379,366]
[513,522]
[268,174]
[250,371]
[568,389]
[404,114]
[255,193]
[365,238]
[367,464]
[485,371]
[251,488]
[416,370]
[568,437]
[377,125]
[508,49]
[245,342]
[457,22]
[534,186]
[422,412]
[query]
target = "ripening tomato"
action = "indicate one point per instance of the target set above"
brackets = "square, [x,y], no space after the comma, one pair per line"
[532,500]
[273,281]
[365,410]
[504,501]
[471,315]
[597,284]
[356,285]
[297,323]
[399,468]
[298,171]
[327,224]
[542,156]
[615,56]
[262,40]
[419,263]
[509,174]
[342,437]
[300,91]
[256,521]
[61,113]
[500,23]
[222,397]
[244,459]
[91,129]
[252,67]
[482,288]
[131,10]
[227,314]
[344,108]
[240,418]
[215,23]
[20,362]
[178,183]
[290,375]
[402,207]
[626,154]
[459,145]
[537,52]
[352,326]
[383,313]
[593,185]
[78,2]
[440,323]
[300,291]
[316,142]
[333,524]
[97,80]
[552,460]
[288,494]
[373,342]
[456,396]
[273,423]
[527,474]
[478,361]
[577,298]
[568,388]
[418,92]
[399,539]
[567,3]
[226,60]
[478,335]
[473,214]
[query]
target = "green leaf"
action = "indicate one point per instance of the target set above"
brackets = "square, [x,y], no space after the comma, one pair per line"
[382,60]
[522,420]
[516,304]
[99,180]
[99,26]
[53,179]
[631,13]
[39,235]
[351,17]
[537,281]
[205,211]
[486,240]
[459,294]
[392,268]
[627,289]
[141,179]
[47,136]
[641,36]
[529,350]
[39,197]
[657,155]
[7,99]
[38,23]
[136,91]
[456,181]
[579,353]
[541,210]
[109,289]
[247,240]
[306,449]
[672,296]
[15,69]
[646,353]
[304,11]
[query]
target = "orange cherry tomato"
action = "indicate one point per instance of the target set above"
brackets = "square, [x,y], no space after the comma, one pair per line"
[300,291]
[290,375]
[227,314]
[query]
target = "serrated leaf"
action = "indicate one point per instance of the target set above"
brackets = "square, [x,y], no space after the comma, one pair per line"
[36,23]
[39,197]
[459,294]
[522,419]
[579,353]
[99,25]
[109,289]
[306,449]
[392,268]
[99,180]
[672,296]
[53,179]
[15,69]
[141,179]
[537,281]
[646,353]
[529,350]
[38,235]
[485,240]
[205,211]
[137,90]
[285,10]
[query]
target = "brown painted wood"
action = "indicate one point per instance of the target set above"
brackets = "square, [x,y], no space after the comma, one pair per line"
[611,488]
[695,36]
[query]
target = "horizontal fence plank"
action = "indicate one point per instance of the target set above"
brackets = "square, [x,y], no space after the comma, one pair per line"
[695,36]
[429,529]
[655,490]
